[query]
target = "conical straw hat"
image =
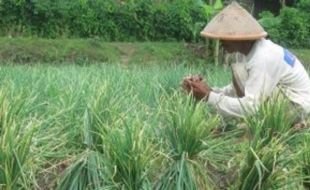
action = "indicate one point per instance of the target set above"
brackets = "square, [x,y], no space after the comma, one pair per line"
[234,23]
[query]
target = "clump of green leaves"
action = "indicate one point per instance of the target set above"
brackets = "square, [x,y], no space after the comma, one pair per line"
[117,150]
[130,153]
[267,152]
[87,172]
[305,160]
[191,146]
[16,134]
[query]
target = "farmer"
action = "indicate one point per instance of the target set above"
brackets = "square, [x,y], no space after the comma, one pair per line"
[268,67]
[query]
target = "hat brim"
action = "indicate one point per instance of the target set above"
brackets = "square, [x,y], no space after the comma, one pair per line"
[234,37]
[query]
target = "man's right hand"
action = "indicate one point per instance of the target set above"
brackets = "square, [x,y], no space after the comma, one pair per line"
[199,89]
[186,82]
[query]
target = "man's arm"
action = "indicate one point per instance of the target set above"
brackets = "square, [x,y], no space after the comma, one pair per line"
[258,86]
[226,90]
[232,106]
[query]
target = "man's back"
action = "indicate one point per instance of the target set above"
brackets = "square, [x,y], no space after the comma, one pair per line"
[280,68]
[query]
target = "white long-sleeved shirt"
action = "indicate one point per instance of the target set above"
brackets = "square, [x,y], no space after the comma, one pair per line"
[269,66]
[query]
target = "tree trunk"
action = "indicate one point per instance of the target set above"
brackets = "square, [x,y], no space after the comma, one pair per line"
[216,52]
[273,6]
[282,3]
[247,4]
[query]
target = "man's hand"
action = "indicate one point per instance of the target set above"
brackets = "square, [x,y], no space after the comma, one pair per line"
[194,78]
[195,85]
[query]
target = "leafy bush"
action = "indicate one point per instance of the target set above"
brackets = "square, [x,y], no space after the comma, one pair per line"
[107,19]
[295,27]
[291,27]
[271,25]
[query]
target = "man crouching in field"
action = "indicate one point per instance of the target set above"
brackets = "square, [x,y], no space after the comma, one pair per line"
[268,68]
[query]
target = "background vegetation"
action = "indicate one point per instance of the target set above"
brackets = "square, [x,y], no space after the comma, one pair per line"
[87,51]
[291,27]
[142,20]
[111,20]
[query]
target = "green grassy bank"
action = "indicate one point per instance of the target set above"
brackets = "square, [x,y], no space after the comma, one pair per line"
[29,50]
[83,51]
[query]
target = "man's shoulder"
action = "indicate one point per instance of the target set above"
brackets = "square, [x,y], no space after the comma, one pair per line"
[265,55]
[267,50]
[267,45]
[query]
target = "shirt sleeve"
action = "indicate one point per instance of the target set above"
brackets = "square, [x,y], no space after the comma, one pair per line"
[257,87]
[228,90]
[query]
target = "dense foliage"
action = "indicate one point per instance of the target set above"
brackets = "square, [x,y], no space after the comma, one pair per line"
[291,27]
[112,20]
[132,20]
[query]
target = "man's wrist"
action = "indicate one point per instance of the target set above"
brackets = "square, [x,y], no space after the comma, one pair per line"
[206,97]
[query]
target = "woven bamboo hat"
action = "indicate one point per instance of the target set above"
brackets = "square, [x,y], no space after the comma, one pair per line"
[234,23]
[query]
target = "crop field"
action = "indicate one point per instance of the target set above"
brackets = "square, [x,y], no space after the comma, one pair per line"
[130,127]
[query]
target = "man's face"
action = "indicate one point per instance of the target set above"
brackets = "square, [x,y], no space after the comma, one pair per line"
[230,46]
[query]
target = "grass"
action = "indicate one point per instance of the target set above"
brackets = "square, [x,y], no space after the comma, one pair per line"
[304,56]
[190,146]
[118,126]
[305,161]
[100,116]
[86,51]
[267,152]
